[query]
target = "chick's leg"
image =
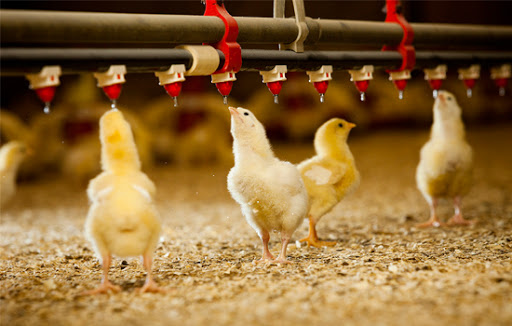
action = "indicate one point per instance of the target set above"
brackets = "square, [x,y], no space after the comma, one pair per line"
[265,254]
[285,239]
[312,238]
[434,220]
[457,219]
[150,284]
[105,283]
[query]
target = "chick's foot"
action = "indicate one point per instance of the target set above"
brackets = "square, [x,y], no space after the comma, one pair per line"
[433,222]
[315,242]
[457,219]
[151,287]
[105,287]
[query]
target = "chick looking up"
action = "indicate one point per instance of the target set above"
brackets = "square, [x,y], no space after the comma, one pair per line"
[330,175]
[122,219]
[270,192]
[446,161]
[11,156]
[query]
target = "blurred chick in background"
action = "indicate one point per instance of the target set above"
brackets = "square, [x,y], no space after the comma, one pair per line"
[300,111]
[122,218]
[270,192]
[330,175]
[446,161]
[11,155]
[192,133]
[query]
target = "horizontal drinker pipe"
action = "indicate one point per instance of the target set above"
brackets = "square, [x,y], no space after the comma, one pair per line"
[20,61]
[19,27]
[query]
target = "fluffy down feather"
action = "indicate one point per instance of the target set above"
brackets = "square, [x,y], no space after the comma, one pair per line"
[270,192]
[446,160]
[330,175]
[122,219]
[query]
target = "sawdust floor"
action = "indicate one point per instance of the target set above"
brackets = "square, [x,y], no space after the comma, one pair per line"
[382,271]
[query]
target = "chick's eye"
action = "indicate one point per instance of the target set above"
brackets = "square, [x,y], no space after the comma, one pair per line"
[449,98]
[340,125]
[246,113]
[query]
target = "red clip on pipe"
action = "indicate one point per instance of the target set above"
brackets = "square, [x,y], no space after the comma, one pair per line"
[228,45]
[405,48]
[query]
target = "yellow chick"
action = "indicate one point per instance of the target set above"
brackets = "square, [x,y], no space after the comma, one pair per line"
[330,175]
[446,161]
[11,156]
[270,192]
[122,218]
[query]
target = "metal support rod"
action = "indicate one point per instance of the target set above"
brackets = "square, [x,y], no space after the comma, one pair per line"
[20,61]
[22,27]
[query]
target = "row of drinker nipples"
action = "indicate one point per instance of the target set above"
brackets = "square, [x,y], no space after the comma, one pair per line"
[435,78]
[361,79]
[399,78]
[274,79]
[45,83]
[224,83]
[469,76]
[172,80]
[320,79]
[111,82]
[500,75]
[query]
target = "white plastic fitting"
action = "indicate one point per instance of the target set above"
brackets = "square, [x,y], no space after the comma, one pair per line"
[472,72]
[176,73]
[438,72]
[114,75]
[205,60]
[503,71]
[278,73]
[365,73]
[322,74]
[48,76]
[399,75]
[223,77]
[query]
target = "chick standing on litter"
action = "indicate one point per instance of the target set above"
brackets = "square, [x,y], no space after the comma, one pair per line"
[446,160]
[11,156]
[330,175]
[122,219]
[270,192]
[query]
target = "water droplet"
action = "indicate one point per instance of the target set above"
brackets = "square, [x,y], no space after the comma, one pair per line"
[502,91]
[363,96]
[401,95]
[225,99]
[322,98]
[434,93]
[46,109]
[113,105]
[276,99]
[175,99]
[469,92]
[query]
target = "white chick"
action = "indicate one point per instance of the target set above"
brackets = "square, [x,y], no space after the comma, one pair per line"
[330,175]
[11,156]
[446,161]
[122,218]
[270,192]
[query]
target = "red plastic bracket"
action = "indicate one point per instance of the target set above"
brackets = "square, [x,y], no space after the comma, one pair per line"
[405,48]
[228,45]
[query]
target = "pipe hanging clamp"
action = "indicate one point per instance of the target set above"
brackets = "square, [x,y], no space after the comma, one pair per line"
[300,20]
[224,77]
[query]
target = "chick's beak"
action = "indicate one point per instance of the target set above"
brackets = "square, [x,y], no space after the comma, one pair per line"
[233,111]
[235,114]
[351,125]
